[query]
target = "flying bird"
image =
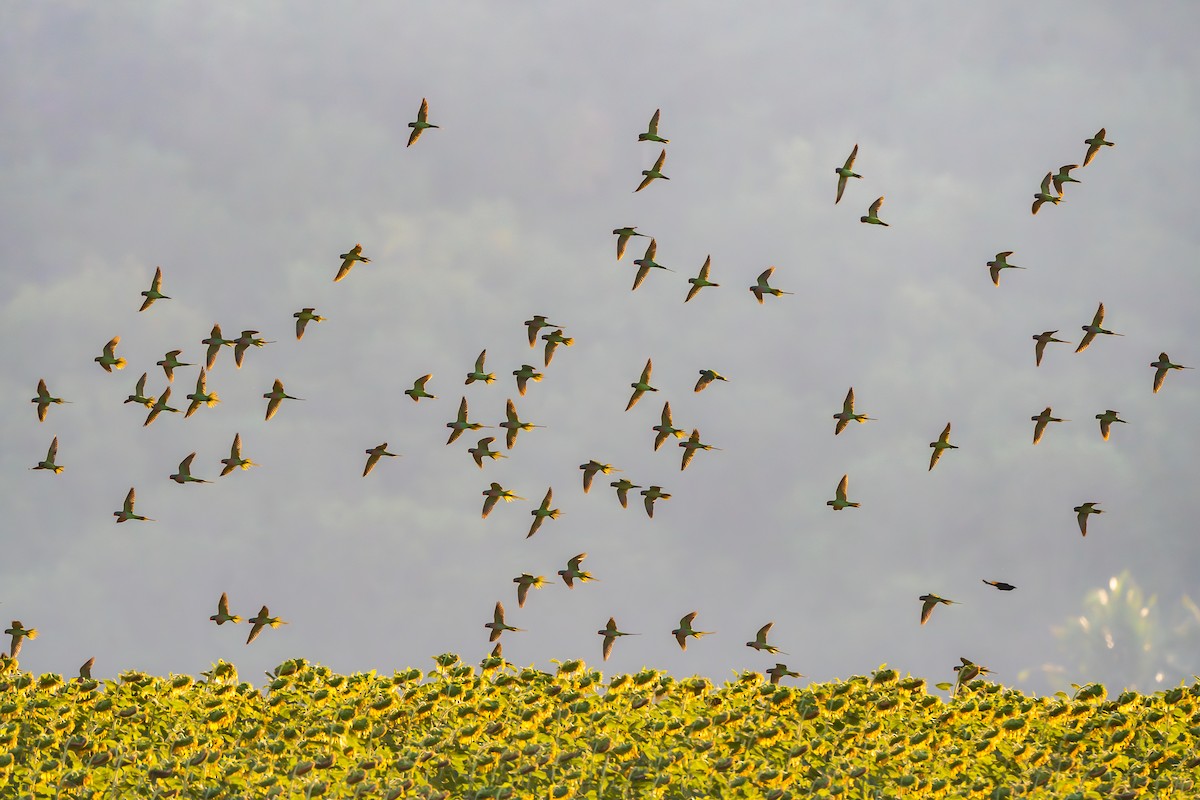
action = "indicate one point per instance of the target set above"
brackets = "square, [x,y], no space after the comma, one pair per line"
[524,583]
[44,400]
[1044,195]
[707,376]
[610,634]
[170,362]
[653,172]
[1042,339]
[651,134]
[536,324]
[1001,585]
[478,374]
[482,450]
[498,625]
[275,397]
[1001,262]
[553,340]
[1160,369]
[185,472]
[201,397]
[215,342]
[421,124]
[690,447]
[647,263]
[49,464]
[762,287]
[222,616]
[235,459]
[139,394]
[154,292]
[589,472]
[19,634]
[847,414]
[845,171]
[109,358]
[839,500]
[494,493]
[872,217]
[1093,329]
[542,512]
[418,389]
[374,454]
[1043,419]
[1094,144]
[623,485]
[928,602]
[641,386]
[666,428]
[685,630]
[652,494]
[303,317]
[524,375]
[514,425]
[263,619]
[348,260]
[572,573]
[126,512]
[622,235]
[780,671]
[1063,176]
[1082,513]
[701,280]
[1106,421]
[760,640]
[967,671]
[247,339]
[461,424]
[160,405]
[942,443]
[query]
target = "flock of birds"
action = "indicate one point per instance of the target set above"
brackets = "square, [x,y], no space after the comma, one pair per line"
[513,424]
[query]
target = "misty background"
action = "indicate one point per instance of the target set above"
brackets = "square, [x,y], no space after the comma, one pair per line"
[242,147]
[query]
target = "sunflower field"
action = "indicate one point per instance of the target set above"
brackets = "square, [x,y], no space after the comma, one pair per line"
[500,731]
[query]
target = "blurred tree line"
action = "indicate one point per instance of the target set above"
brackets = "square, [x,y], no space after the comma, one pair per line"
[1123,638]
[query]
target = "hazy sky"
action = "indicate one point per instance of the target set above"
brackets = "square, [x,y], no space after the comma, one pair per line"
[242,147]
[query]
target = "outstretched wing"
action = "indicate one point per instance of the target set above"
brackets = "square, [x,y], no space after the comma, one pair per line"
[654,122]
[348,262]
[850,161]
[841,488]
[489,503]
